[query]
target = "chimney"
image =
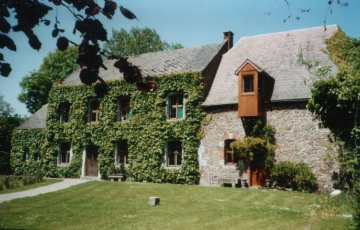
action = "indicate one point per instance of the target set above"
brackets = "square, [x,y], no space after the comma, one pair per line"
[228,36]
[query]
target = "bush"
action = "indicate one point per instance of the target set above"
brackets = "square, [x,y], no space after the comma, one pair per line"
[296,176]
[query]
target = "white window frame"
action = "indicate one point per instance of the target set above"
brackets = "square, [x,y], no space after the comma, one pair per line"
[59,163]
[119,109]
[168,102]
[90,111]
[117,161]
[166,157]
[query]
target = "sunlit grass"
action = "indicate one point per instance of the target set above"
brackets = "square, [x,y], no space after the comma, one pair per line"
[110,205]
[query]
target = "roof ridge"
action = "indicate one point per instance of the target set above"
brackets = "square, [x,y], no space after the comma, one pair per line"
[285,32]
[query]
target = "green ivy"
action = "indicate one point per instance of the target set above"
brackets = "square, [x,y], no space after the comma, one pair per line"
[147,132]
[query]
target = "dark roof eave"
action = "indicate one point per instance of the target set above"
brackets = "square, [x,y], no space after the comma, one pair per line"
[272,101]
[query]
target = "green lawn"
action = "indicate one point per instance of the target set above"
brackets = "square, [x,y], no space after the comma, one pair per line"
[111,205]
[36,185]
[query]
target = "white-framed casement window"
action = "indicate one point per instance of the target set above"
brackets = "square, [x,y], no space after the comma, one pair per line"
[121,153]
[229,157]
[173,153]
[176,106]
[64,153]
[94,110]
[64,110]
[123,109]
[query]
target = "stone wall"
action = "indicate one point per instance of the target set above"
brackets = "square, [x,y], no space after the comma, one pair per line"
[299,139]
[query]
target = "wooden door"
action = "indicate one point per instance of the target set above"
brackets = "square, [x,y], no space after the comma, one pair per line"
[92,161]
[257,175]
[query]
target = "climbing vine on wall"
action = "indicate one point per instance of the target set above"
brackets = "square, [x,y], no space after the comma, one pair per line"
[147,132]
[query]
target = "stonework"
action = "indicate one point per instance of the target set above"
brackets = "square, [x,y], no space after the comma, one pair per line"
[299,139]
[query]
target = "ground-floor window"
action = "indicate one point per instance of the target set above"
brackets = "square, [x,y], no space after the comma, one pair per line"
[64,153]
[229,156]
[121,157]
[174,154]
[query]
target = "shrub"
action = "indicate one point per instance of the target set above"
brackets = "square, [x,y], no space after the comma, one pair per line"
[283,174]
[296,176]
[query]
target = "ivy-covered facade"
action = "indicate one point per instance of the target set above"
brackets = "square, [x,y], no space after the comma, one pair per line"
[152,136]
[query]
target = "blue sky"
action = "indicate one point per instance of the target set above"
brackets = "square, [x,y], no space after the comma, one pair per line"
[189,22]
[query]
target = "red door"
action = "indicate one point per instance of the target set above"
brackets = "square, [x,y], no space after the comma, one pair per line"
[257,175]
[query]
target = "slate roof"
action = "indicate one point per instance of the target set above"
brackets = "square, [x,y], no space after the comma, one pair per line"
[37,120]
[160,63]
[277,54]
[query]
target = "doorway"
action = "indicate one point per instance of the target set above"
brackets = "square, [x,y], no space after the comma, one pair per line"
[91,167]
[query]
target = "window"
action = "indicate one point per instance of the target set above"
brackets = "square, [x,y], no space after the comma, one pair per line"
[248,83]
[229,156]
[123,109]
[174,154]
[176,106]
[121,157]
[37,156]
[94,110]
[26,154]
[64,112]
[64,153]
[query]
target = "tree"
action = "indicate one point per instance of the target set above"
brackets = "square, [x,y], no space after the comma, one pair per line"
[37,85]
[137,41]
[336,101]
[8,121]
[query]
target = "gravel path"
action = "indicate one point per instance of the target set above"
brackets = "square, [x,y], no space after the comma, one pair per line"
[41,190]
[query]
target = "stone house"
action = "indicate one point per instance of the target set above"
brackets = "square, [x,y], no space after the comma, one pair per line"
[156,135]
[237,92]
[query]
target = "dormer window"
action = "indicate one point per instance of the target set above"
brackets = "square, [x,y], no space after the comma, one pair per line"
[175,108]
[64,112]
[94,111]
[123,109]
[248,83]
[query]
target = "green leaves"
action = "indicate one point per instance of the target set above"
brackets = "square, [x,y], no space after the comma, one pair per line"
[37,85]
[136,41]
[146,132]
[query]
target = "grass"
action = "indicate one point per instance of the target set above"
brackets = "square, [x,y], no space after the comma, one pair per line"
[109,205]
[27,187]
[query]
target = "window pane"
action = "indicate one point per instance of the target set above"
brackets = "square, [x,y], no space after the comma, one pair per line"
[122,153]
[175,106]
[229,156]
[94,111]
[180,113]
[123,109]
[174,153]
[64,153]
[64,112]
[248,83]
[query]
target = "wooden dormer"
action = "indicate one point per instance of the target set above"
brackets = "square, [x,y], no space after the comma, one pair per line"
[255,87]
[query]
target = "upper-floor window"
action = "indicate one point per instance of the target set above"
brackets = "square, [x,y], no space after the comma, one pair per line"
[123,109]
[94,110]
[64,153]
[229,156]
[121,157]
[64,112]
[174,154]
[248,83]
[175,106]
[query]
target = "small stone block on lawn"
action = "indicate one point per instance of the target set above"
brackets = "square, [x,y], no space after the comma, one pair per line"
[153,200]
